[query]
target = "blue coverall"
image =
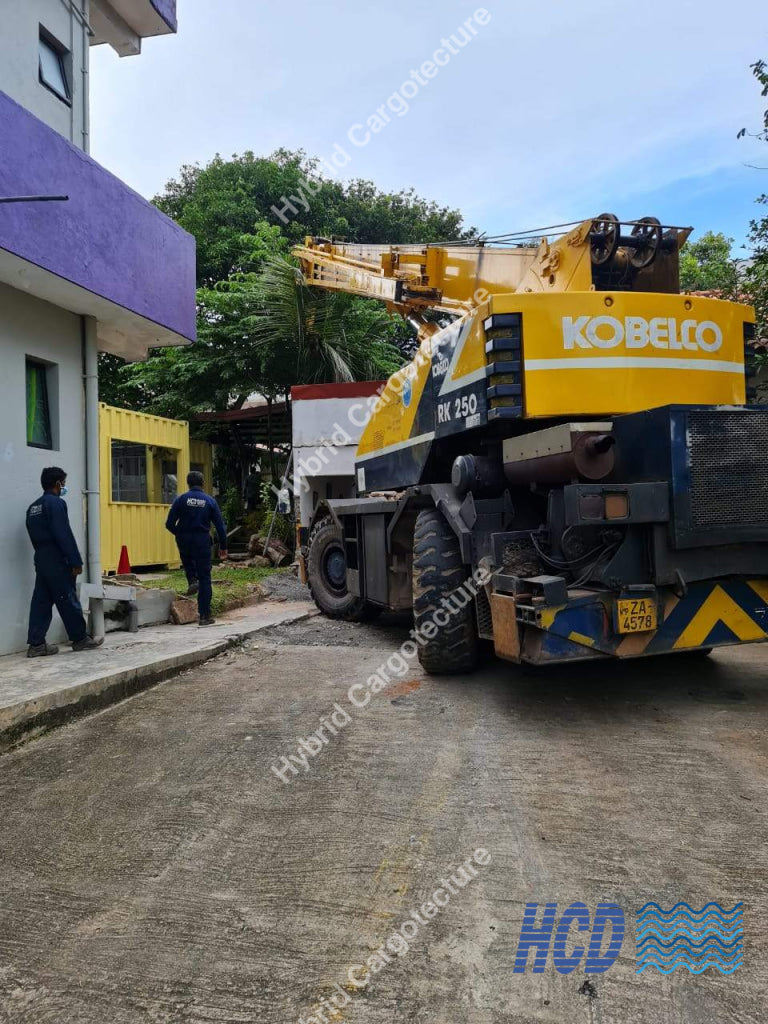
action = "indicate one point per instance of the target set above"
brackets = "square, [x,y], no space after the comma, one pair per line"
[190,521]
[56,555]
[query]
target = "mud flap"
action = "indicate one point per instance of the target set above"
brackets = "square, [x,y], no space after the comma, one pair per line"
[506,631]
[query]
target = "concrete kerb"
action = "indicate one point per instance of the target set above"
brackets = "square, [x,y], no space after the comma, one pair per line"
[31,718]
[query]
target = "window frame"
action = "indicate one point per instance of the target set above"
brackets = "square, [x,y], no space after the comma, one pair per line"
[62,55]
[41,370]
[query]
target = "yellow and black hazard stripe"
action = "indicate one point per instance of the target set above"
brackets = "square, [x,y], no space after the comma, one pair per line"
[712,613]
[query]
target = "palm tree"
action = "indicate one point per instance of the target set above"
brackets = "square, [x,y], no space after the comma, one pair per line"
[273,331]
[309,336]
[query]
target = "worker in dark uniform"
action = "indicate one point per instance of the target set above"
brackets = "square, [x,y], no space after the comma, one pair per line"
[253,489]
[190,522]
[57,566]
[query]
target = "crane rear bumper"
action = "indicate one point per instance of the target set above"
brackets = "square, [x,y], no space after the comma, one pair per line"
[712,613]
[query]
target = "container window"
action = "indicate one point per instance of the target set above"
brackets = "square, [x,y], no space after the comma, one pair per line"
[129,472]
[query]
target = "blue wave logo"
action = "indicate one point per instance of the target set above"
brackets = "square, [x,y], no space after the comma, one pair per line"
[407,393]
[684,937]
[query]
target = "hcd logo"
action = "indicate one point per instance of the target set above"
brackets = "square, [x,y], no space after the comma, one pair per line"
[684,937]
[578,918]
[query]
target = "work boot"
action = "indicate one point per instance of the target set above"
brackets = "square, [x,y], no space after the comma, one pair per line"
[42,650]
[193,589]
[88,643]
[207,620]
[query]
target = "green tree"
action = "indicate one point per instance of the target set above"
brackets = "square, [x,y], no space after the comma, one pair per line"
[304,333]
[115,388]
[707,265]
[756,278]
[261,332]
[220,203]
[228,206]
[757,272]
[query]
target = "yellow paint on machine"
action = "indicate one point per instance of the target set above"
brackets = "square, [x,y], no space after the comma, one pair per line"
[600,353]
[472,356]
[393,420]
[547,616]
[581,638]
[140,525]
[720,607]
[592,354]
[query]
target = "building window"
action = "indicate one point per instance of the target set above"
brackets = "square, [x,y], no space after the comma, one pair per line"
[129,472]
[54,60]
[39,432]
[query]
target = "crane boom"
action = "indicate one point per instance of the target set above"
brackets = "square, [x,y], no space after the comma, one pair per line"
[410,278]
[456,278]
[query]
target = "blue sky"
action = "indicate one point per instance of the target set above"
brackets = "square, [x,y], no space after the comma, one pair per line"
[551,112]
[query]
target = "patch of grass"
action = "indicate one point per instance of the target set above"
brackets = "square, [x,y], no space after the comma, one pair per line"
[234,593]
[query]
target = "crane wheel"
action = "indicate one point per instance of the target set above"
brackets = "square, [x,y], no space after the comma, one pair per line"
[327,576]
[438,572]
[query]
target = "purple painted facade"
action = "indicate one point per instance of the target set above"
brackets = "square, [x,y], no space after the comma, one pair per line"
[107,238]
[167,11]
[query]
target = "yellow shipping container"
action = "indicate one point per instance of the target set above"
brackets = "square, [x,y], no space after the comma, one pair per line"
[144,461]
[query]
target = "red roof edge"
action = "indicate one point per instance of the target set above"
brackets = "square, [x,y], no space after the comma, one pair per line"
[349,389]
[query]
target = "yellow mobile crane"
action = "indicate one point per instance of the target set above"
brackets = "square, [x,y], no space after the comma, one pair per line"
[570,454]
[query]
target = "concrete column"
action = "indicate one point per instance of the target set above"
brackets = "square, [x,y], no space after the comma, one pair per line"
[93,497]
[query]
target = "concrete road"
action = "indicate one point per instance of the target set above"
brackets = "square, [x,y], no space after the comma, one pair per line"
[153,868]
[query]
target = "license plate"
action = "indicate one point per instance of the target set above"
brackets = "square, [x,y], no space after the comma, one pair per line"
[636,615]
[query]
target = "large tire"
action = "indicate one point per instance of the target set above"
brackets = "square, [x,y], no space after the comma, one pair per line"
[438,572]
[327,576]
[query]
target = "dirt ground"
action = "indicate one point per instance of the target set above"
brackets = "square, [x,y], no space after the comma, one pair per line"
[154,868]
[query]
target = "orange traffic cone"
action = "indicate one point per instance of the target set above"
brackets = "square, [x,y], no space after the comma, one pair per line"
[124,565]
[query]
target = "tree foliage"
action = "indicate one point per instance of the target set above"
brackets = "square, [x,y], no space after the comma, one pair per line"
[260,328]
[301,332]
[220,204]
[707,265]
[757,272]
[263,331]
[760,71]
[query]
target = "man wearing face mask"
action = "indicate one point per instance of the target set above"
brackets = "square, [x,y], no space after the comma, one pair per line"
[57,566]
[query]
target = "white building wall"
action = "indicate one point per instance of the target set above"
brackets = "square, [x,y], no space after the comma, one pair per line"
[32,328]
[334,421]
[326,432]
[20,22]
[322,473]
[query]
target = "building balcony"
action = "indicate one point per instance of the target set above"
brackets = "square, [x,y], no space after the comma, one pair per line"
[104,252]
[124,23]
